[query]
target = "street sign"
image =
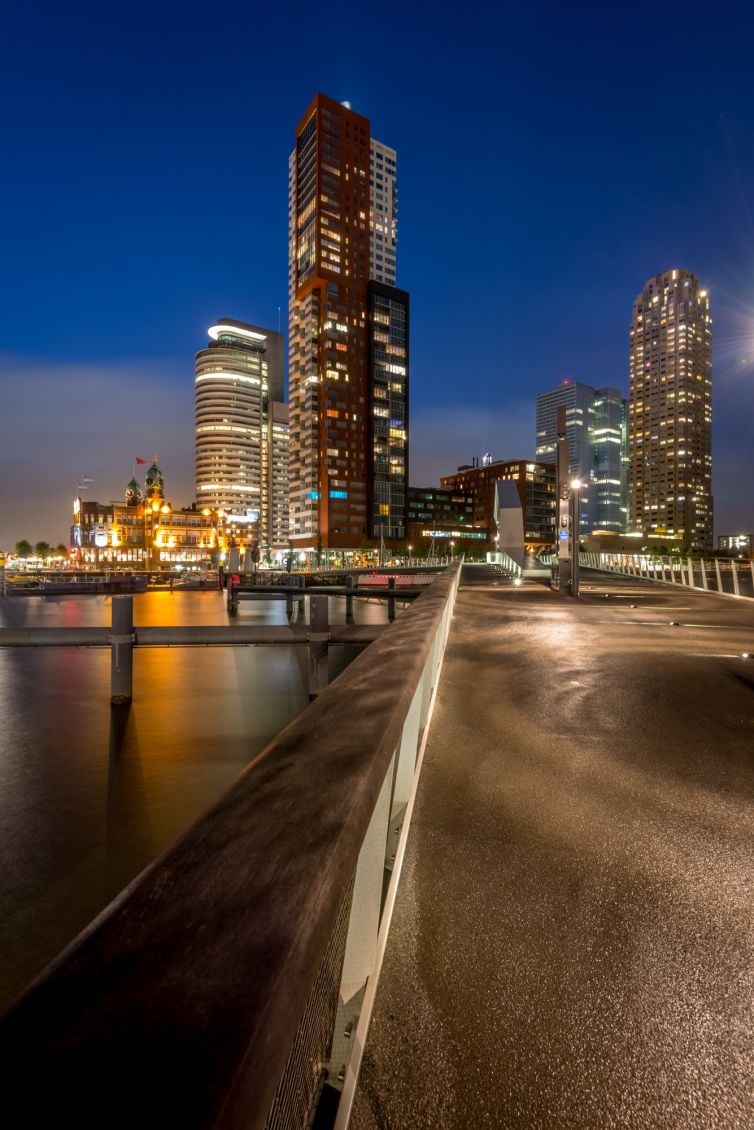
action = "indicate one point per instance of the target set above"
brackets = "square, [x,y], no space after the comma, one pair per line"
[563,535]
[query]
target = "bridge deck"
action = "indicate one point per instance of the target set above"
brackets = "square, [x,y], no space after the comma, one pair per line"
[572,943]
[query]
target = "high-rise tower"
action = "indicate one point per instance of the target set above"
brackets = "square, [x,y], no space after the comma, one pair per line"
[596,437]
[240,422]
[670,411]
[348,335]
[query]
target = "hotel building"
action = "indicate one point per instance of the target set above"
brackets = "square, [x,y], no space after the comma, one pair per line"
[241,431]
[143,531]
[348,336]
[670,412]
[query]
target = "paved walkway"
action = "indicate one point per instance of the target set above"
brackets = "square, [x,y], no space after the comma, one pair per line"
[572,944]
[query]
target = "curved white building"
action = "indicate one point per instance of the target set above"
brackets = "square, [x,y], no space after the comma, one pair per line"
[236,380]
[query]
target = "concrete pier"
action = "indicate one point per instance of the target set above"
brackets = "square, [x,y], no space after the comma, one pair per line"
[122,641]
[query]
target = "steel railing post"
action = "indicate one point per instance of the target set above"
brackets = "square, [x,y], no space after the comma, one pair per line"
[734,572]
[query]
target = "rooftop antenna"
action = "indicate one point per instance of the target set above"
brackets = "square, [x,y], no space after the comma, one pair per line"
[278,319]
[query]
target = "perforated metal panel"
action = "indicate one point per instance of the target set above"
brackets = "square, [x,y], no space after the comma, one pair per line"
[296,1097]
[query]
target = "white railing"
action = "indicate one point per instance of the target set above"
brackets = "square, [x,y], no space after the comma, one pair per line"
[726,576]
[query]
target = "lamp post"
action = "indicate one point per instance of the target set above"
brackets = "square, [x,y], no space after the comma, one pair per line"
[575,530]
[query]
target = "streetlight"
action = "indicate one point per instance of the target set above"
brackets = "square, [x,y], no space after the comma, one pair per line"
[575,529]
[452,543]
[409,555]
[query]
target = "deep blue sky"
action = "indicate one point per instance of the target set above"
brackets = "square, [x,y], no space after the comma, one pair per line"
[550,159]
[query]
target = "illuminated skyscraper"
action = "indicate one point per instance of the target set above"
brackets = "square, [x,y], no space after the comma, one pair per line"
[596,437]
[670,412]
[241,429]
[348,335]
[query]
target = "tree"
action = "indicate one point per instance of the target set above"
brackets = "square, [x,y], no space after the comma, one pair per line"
[23,548]
[60,550]
[43,549]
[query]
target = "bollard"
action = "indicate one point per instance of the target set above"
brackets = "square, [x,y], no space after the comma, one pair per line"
[349,600]
[122,641]
[232,597]
[319,636]
[391,599]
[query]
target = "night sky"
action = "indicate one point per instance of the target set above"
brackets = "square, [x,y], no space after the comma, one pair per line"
[551,158]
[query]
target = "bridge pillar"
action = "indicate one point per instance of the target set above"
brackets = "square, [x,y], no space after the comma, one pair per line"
[391,599]
[349,600]
[122,640]
[319,637]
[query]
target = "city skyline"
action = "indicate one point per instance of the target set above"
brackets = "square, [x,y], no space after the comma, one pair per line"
[526,226]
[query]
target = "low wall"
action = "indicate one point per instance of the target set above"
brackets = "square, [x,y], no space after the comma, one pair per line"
[207,993]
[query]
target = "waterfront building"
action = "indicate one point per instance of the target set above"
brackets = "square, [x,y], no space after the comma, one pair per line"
[670,412]
[279,454]
[438,517]
[536,491]
[144,531]
[596,438]
[736,543]
[241,432]
[348,336]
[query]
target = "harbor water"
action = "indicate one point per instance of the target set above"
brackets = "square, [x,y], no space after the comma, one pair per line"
[89,796]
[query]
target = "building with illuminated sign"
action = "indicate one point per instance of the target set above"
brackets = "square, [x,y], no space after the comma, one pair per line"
[348,336]
[241,431]
[596,437]
[440,517]
[670,410]
[536,491]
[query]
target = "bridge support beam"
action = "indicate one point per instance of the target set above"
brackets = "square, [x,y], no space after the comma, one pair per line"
[122,640]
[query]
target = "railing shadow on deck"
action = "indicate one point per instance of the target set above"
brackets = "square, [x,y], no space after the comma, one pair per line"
[224,987]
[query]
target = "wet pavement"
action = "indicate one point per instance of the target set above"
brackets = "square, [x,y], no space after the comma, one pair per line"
[572,943]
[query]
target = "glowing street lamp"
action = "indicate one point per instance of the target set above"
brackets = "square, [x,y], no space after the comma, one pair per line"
[576,485]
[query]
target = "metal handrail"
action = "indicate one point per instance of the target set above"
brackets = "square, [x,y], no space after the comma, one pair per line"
[701,574]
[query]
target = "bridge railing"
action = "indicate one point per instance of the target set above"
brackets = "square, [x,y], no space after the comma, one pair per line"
[723,575]
[233,979]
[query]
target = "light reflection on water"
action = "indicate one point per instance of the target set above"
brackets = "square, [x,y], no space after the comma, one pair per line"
[88,795]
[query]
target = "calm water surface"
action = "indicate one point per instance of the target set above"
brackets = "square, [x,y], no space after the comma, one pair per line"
[89,796]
